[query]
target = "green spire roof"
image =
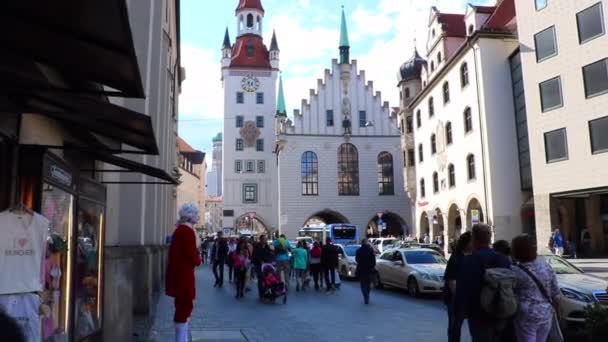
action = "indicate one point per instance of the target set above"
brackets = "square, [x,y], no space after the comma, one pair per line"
[343,31]
[218,137]
[281,110]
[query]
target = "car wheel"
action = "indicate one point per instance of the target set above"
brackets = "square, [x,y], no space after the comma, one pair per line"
[377,282]
[412,287]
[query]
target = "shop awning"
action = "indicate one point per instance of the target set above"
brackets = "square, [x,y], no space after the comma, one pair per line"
[90,113]
[130,166]
[86,40]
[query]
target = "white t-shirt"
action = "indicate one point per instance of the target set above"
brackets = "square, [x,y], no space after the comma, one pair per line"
[22,250]
[24,309]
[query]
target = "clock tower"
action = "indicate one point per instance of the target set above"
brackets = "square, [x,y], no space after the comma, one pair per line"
[249,80]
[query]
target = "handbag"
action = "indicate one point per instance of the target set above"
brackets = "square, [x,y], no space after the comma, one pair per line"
[555,334]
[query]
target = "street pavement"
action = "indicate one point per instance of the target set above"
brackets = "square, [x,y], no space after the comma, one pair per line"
[308,316]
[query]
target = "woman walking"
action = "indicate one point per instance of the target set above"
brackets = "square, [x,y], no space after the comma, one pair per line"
[536,290]
[241,261]
[315,263]
[183,258]
[300,263]
[229,260]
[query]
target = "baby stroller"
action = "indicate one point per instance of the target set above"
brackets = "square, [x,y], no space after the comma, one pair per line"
[272,286]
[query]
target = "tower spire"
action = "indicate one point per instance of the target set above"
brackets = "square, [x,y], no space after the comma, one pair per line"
[274,46]
[344,43]
[226,44]
[281,110]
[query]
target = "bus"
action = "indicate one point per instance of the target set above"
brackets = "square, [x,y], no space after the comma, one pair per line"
[340,233]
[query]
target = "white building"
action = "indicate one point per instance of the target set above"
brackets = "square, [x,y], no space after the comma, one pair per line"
[339,159]
[564,58]
[458,120]
[214,177]
[249,78]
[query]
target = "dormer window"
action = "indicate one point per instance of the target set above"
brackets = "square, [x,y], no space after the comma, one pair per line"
[249,21]
[250,49]
[471,29]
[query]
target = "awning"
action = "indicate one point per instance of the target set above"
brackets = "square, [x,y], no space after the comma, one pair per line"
[130,166]
[90,113]
[87,40]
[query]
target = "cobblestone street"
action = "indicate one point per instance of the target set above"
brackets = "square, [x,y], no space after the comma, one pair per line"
[308,316]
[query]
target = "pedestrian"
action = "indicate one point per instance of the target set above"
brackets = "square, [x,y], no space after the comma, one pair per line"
[241,261]
[261,254]
[366,268]
[502,247]
[315,263]
[211,251]
[300,263]
[469,283]
[249,275]
[220,254]
[281,253]
[461,248]
[536,290]
[558,242]
[230,260]
[427,238]
[330,259]
[183,259]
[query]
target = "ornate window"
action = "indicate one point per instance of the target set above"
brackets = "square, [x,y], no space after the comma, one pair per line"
[451,176]
[386,184]
[471,167]
[431,108]
[348,170]
[310,174]
[448,133]
[433,144]
[446,92]
[435,182]
[464,75]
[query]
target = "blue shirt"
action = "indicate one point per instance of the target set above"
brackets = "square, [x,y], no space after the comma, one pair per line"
[558,241]
[282,256]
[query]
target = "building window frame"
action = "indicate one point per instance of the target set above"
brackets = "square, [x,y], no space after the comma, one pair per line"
[240,121]
[578,22]
[411,158]
[362,118]
[449,136]
[240,97]
[565,135]
[259,121]
[540,5]
[591,136]
[261,166]
[309,172]
[536,40]
[407,93]
[329,118]
[468,120]
[561,95]
[238,166]
[250,193]
[418,119]
[433,144]
[422,188]
[249,166]
[259,145]
[348,170]
[446,92]
[409,125]
[431,105]
[386,178]
[240,144]
[420,153]
[464,75]
[259,98]
[451,176]
[471,168]
[435,182]
[601,92]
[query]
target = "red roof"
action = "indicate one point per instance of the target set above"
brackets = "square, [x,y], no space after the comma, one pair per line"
[183,146]
[260,58]
[250,4]
[453,24]
[503,17]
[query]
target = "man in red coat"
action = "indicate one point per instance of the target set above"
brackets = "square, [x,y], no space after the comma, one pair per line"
[183,259]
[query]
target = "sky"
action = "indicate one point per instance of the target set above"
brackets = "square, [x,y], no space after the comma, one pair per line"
[382,35]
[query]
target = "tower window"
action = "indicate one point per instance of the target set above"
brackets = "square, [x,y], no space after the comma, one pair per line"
[249,20]
[407,93]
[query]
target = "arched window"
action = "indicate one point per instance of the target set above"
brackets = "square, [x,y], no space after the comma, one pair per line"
[451,176]
[420,154]
[435,182]
[418,119]
[250,49]
[438,58]
[249,20]
[432,66]
[258,24]
[407,93]
[422,189]
[464,74]
[448,133]
[433,144]
[348,170]
[310,174]
[386,184]
[471,167]
[446,92]
[409,128]
[431,108]
[468,120]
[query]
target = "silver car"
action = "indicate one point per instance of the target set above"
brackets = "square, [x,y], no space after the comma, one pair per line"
[418,270]
[577,288]
[348,264]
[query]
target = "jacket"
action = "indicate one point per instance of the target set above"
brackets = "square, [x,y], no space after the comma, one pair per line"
[330,256]
[220,250]
[315,255]
[366,261]
[300,258]
[183,258]
[261,254]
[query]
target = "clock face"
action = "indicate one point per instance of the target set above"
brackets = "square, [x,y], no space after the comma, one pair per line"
[250,83]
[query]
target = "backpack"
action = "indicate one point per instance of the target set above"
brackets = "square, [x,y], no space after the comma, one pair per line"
[497,297]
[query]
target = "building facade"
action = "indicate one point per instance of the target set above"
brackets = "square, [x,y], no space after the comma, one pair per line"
[458,124]
[564,60]
[214,214]
[249,80]
[339,157]
[193,170]
[214,177]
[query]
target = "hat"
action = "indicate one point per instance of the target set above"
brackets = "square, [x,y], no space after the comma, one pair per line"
[188,213]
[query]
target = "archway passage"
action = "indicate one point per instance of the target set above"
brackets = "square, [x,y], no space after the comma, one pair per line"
[438,225]
[250,224]
[424,225]
[474,213]
[385,225]
[325,217]
[454,223]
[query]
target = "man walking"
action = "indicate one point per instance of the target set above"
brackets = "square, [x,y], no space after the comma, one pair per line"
[482,326]
[366,264]
[220,253]
[330,259]
[558,243]
[261,254]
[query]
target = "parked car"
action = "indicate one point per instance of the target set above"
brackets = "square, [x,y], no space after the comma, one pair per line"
[418,270]
[433,246]
[578,289]
[382,244]
[348,264]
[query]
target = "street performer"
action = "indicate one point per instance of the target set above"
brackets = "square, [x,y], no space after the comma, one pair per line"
[183,259]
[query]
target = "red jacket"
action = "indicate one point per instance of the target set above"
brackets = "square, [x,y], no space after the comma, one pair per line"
[183,258]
